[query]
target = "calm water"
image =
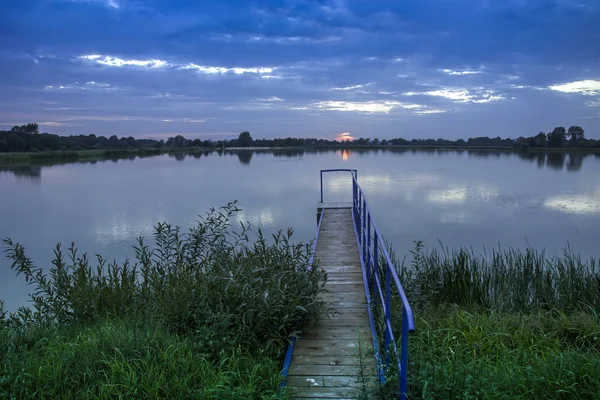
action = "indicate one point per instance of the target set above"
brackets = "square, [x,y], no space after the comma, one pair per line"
[460,198]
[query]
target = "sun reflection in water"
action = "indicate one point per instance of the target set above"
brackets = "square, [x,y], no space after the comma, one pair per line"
[345,154]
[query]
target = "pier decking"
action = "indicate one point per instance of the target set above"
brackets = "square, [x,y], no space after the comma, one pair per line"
[327,358]
[343,356]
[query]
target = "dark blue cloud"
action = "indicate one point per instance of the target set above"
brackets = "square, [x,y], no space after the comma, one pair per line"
[335,65]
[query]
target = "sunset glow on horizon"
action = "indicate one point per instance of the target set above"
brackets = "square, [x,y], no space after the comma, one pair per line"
[344,137]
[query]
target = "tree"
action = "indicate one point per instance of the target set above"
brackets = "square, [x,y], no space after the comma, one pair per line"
[113,141]
[244,139]
[576,134]
[540,139]
[31,129]
[557,137]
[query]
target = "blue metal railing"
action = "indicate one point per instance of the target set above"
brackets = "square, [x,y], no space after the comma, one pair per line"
[372,250]
[292,343]
[352,171]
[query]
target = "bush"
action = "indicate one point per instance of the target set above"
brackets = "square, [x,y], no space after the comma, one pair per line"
[213,283]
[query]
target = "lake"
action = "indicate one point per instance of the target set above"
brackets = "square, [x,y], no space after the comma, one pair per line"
[461,198]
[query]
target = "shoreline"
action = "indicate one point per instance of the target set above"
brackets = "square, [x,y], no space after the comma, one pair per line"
[86,155]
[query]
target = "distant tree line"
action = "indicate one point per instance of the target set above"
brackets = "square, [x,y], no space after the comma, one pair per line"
[27,138]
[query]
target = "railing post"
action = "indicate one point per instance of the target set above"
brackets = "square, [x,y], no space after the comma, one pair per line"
[404,356]
[375,258]
[321,186]
[388,312]
[364,226]
[354,201]
[368,246]
[360,211]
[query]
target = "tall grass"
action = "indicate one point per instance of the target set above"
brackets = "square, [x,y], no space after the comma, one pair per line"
[503,324]
[219,299]
[503,280]
[113,359]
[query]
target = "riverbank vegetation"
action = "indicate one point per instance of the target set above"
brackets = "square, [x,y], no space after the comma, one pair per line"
[506,324]
[28,139]
[202,314]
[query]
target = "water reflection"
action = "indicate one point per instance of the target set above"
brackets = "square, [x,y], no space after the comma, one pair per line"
[448,196]
[557,161]
[29,172]
[575,162]
[245,156]
[345,155]
[575,204]
[540,160]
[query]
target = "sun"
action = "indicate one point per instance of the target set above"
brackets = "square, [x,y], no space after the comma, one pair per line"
[344,137]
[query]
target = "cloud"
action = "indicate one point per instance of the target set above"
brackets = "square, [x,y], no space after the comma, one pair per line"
[461,72]
[432,111]
[346,88]
[371,106]
[460,95]
[186,120]
[224,70]
[368,107]
[586,87]
[156,64]
[105,3]
[270,99]
[118,62]
[89,86]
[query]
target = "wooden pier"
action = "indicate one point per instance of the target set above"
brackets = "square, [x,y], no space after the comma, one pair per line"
[327,358]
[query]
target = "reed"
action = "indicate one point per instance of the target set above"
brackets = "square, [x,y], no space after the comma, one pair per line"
[507,323]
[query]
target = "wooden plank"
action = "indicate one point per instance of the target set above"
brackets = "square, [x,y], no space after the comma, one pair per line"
[334,205]
[356,276]
[342,268]
[336,332]
[322,370]
[326,381]
[351,323]
[325,392]
[326,360]
[340,347]
[344,286]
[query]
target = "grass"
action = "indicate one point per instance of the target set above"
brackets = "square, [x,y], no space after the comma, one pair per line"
[504,324]
[483,354]
[115,359]
[58,157]
[201,314]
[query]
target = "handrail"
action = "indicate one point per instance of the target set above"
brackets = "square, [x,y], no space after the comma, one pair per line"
[292,343]
[370,242]
[352,171]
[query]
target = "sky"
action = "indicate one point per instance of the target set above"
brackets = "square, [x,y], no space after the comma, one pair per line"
[372,68]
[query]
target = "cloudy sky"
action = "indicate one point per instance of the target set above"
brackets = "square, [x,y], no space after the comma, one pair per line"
[374,68]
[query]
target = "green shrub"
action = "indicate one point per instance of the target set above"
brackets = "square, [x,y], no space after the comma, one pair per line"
[213,282]
[202,314]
